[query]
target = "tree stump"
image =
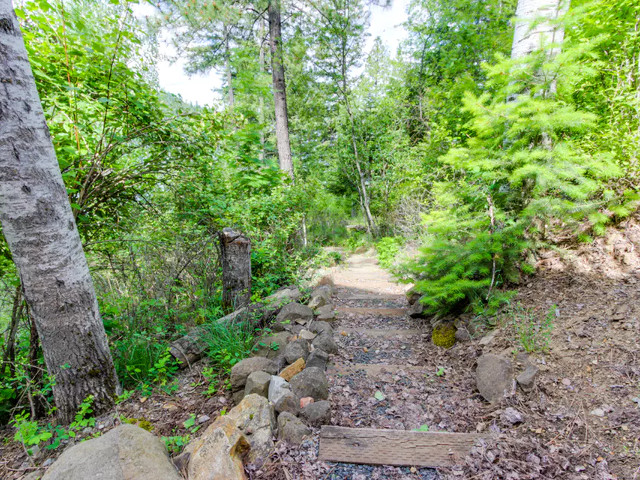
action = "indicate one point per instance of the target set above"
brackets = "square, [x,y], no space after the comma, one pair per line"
[235,251]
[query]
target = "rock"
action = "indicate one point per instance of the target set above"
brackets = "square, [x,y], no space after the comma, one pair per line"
[598,412]
[296,349]
[295,312]
[237,396]
[293,369]
[527,379]
[326,312]
[462,335]
[311,382]
[288,402]
[318,358]
[278,387]
[307,335]
[126,452]
[320,297]
[284,295]
[305,401]
[325,342]
[512,416]
[203,419]
[320,327]
[241,370]
[218,453]
[258,383]
[317,413]
[417,309]
[412,295]
[494,377]
[270,346]
[488,338]
[255,418]
[291,429]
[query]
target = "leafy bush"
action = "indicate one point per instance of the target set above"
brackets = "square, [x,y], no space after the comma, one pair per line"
[228,343]
[388,249]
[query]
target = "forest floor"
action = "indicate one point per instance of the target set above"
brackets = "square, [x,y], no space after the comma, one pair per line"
[580,422]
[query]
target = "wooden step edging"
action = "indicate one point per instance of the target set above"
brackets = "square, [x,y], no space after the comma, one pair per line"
[394,447]
[375,369]
[400,312]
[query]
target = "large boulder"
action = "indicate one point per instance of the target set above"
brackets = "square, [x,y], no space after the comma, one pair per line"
[278,388]
[255,418]
[270,346]
[320,326]
[417,309]
[294,312]
[311,382]
[291,429]
[296,349]
[124,453]
[218,454]
[241,370]
[494,377]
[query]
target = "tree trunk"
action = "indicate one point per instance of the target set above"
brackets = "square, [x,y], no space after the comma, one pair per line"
[261,155]
[235,256]
[279,89]
[227,63]
[43,238]
[529,36]
[362,190]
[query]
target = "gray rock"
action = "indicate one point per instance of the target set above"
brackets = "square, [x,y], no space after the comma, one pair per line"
[417,310]
[325,342]
[258,383]
[494,377]
[412,295]
[326,312]
[320,327]
[296,349]
[126,452]
[462,335]
[318,358]
[270,346]
[288,402]
[311,382]
[320,297]
[527,379]
[291,429]
[295,312]
[488,338]
[317,413]
[511,416]
[284,295]
[278,387]
[255,418]
[241,370]
[307,335]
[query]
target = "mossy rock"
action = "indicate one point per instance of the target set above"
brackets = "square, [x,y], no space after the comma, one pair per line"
[444,335]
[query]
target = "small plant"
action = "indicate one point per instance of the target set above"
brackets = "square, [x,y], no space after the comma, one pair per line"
[532,333]
[230,343]
[440,372]
[422,428]
[190,423]
[176,443]
[28,432]
[388,249]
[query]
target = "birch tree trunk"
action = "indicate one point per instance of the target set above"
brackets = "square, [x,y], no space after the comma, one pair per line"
[41,232]
[529,36]
[279,88]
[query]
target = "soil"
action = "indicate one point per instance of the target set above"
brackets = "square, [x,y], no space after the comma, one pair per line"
[580,422]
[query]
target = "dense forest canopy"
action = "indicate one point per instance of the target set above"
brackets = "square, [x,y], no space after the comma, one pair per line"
[476,157]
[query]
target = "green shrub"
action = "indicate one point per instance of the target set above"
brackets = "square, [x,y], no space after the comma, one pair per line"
[228,343]
[388,249]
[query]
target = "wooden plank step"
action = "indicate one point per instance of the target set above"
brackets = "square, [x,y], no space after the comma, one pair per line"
[394,447]
[389,297]
[387,333]
[372,311]
[374,369]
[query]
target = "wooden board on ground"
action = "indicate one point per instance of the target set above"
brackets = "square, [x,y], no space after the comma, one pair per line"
[373,311]
[394,447]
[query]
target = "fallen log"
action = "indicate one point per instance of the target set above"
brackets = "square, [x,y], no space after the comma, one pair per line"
[192,347]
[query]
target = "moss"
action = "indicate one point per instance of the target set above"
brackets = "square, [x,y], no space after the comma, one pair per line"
[444,335]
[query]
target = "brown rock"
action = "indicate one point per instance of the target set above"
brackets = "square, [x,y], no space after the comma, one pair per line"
[293,369]
[305,401]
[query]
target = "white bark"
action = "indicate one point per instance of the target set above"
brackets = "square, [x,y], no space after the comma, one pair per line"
[532,32]
[41,232]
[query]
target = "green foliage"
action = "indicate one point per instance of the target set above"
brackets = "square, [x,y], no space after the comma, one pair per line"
[176,443]
[388,249]
[228,343]
[532,333]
